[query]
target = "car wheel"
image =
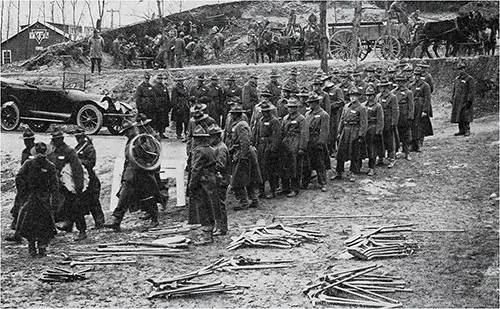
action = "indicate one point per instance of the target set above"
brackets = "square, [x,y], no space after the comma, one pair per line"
[89,117]
[39,126]
[10,116]
[115,125]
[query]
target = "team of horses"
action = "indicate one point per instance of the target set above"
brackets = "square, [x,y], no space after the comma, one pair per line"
[465,35]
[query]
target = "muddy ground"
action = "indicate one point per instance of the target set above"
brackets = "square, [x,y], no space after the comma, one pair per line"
[447,186]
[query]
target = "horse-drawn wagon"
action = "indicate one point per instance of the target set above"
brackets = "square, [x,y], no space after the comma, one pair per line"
[388,40]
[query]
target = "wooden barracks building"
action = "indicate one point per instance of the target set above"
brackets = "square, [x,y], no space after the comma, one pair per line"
[30,41]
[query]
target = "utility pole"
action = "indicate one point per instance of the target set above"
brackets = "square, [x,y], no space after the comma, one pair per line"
[113,11]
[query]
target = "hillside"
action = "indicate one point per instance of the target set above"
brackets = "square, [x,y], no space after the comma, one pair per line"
[235,18]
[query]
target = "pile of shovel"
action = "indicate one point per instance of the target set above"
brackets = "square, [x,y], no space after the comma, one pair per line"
[58,274]
[359,287]
[377,242]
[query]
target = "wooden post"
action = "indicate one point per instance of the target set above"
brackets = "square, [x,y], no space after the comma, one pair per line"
[323,36]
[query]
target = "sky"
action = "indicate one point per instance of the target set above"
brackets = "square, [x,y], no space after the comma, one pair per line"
[131,11]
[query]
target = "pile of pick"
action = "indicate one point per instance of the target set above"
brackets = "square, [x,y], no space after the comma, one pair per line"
[167,247]
[376,242]
[184,285]
[274,236]
[359,287]
[58,274]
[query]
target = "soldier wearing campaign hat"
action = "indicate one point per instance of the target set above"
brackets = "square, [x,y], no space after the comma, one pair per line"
[200,89]
[267,138]
[274,87]
[162,105]
[324,101]
[281,104]
[352,130]
[374,137]
[291,82]
[424,65]
[462,100]
[389,103]
[250,95]
[37,180]
[421,125]
[244,165]
[29,142]
[202,185]
[222,176]
[180,106]
[71,211]
[317,125]
[231,91]
[86,153]
[293,145]
[337,104]
[360,83]
[146,97]
[215,95]
[406,113]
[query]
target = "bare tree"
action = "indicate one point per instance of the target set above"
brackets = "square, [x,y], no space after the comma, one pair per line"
[62,6]
[158,3]
[323,36]
[29,12]
[73,11]
[52,11]
[1,21]
[101,5]
[8,17]
[90,13]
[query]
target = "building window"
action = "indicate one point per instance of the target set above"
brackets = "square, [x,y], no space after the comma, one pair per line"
[6,56]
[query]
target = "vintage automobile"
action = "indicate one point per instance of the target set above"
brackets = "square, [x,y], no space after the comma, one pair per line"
[40,106]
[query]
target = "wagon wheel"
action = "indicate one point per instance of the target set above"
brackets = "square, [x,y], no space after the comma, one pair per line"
[341,44]
[387,47]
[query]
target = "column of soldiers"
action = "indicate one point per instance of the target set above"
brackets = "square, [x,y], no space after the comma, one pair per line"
[239,141]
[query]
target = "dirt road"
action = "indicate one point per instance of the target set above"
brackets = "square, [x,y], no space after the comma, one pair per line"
[447,186]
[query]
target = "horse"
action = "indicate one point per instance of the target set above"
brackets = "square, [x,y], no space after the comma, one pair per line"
[284,47]
[266,45]
[454,32]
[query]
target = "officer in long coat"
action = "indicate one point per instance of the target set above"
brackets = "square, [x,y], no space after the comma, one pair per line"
[139,188]
[72,209]
[324,101]
[267,138]
[317,124]
[202,185]
[230,119]
[245,167]
[293,145]
[389,103]
[406,113]
[37,180]
[215,95]
[281,104]
[352,130]
[145,98]
[374,138]
[29,143]
[337,104]
[87,155]
[250,95]
[222,176]
[426,75]
[274,88]
[162,106]
[180,107]
[462,100]
[421,126]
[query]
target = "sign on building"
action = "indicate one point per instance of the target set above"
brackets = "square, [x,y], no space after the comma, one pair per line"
[39,35]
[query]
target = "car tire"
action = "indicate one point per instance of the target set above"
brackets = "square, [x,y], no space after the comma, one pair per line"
[10,116]
[89,117]
[39,126]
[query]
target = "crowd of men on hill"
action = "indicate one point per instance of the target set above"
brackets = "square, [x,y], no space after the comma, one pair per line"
[260,144]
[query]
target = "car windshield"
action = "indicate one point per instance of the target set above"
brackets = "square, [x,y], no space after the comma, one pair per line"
[74,81]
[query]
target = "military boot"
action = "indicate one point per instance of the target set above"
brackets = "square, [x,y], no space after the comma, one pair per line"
[206,237]
[153,210]
[115,224]
[42,249]
[32,248]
